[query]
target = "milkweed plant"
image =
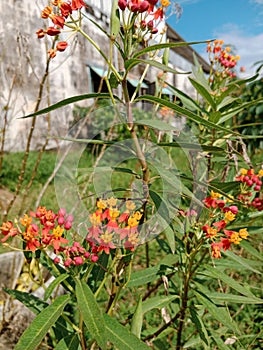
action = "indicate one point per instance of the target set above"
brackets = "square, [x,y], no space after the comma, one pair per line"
[156,259]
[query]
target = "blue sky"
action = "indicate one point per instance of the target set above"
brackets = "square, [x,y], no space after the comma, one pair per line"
[238,22]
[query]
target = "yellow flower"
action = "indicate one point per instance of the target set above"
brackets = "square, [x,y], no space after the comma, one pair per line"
[165,3]
[130,205]
[101,204]
[95,219]
[229,216]
[114,213]
[215,195]
[132,222]
[234,238]
[137,215]
[243,171]
[58,231]
[112,202]
[107,237]
[260,173]
[26,220]
[243,233]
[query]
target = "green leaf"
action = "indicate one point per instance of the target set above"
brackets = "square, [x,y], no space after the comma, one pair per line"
[247,246]
[54,284]
[137,319]
[157,124]
[121,338]
[234,299]
[170,236]
[199,326]
[134,62]
[215,117]
[219,342]
[68,101]
[39,327]
[204,93]
[143,277]
[71,342]
[165,45]
[218,313]
[187,101]
[157,302]
[184,112]
[33,303]
[192,146]
[231,282]
[91,313]
[160,206]
[242,261]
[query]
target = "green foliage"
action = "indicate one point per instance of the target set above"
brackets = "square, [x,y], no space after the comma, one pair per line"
[249,121]
[167,286]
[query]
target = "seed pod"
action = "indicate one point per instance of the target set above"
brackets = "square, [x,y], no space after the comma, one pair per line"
[114,20]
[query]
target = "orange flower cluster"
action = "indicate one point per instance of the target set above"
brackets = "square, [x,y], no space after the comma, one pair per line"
[44,230]
[222,215]
[146,25]
[58,14]
[40,229]
[114,223]
[223,56]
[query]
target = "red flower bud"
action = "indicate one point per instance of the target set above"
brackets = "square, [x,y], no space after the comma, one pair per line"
[122,4]
[62,45]
[52,31]
[40,33]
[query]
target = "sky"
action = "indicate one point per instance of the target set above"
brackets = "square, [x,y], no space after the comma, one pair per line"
[238,22]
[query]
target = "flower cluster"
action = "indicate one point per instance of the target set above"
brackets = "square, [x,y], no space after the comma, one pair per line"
[114,223]
[40,229]
[222,55]
[44,230]
[58,14]
[251,184]
[149,10]
[223,214]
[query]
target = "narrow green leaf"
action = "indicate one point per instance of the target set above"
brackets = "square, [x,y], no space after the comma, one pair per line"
[157,302]
[219,342]
[215,117]
[170,236]
[157,124]
[39,327]
[234,299]
[33,303]
[121,338]
[71,342]
[187,101]
[192,146]
[134,62]
[247,246]
[199,326]
[160,206]
[148,275]
[165,45]
[137,319]
[91,313]
[204,93]
[68,101]
[184,112]
[218,313]
[54,284]
[242,261]
[215,273]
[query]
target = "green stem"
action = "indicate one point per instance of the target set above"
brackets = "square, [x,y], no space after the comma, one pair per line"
[113,69]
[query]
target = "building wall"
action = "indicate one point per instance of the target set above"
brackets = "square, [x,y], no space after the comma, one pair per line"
[23,64]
